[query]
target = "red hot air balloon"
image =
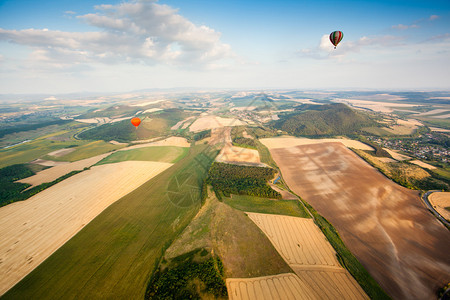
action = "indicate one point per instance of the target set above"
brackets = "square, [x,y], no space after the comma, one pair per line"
[336,37]
[136,121]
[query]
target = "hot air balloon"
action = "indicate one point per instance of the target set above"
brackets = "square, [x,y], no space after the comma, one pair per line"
[136,121]
[336,37]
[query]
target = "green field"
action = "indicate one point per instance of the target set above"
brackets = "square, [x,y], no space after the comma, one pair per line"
[168,154]
[87,150]
[243,248]
[32,150]
[266,206]
[115,255]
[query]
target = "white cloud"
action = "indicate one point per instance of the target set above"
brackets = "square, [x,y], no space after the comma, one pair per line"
[404,27]
[434,17]
[325,50]
[141,32]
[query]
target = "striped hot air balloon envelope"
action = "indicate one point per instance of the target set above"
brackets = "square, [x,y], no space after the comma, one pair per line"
[336,37]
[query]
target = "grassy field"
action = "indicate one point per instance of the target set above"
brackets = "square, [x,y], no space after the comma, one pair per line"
[266,206]
[115,255]
[243,248]
[87,150]
[264,154]
[168,154]
[32,150]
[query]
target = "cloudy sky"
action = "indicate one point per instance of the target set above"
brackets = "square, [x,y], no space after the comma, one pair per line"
[59,46]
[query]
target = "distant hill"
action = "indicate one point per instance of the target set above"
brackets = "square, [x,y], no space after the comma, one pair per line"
[318,120]
[153,125]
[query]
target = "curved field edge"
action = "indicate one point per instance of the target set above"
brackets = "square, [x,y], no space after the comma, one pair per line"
[115,255]
[170,154]
[345,257]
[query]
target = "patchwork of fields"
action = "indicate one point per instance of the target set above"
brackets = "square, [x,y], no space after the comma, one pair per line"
[33,229]
[115,254]
[304,247]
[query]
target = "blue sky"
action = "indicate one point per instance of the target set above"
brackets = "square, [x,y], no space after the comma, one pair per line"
[112,46]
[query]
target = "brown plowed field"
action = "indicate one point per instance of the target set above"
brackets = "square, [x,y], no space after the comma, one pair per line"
[385,225]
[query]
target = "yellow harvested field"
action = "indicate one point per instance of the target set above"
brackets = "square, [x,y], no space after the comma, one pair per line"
[288,141]
[386,159]
[48,175]
[303,246]
[386,107]
[210,122]
[117,143]
[299,241]
[422,164]
[150,110]
[178,125]
[441,200]
[283,286]
[433,112]
[102,120]
[447,116]
[231,153]
[61,152]
[147,103]
[171,141]
[32,230]
[48,163]
[331,284]
[397,156]
[439,129]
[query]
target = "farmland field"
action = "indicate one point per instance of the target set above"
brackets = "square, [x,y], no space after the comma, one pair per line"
[282,142]
[265,205]
[282,286]
[385,225]
[88,150]
[32,230]
[168,154]
[53,173]
[211,122]
[231,153]
[299,241]
[441,202]
[115,254]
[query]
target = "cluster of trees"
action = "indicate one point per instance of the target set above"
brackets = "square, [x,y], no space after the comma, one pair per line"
[201,135]
[239,140]
[243,180]
[324,120]
[186,278]
[244,142]
[27,127]
[10,190]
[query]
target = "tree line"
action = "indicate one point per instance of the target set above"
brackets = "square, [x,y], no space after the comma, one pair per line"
[243,180]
